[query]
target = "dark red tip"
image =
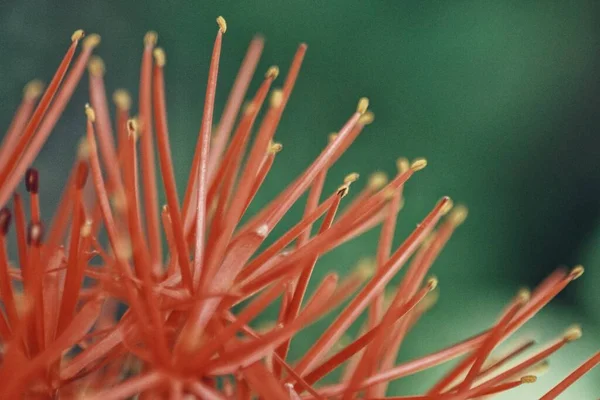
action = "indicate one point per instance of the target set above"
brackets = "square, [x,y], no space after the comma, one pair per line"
[32,180]
[35,233]
[5,217]
[82,174]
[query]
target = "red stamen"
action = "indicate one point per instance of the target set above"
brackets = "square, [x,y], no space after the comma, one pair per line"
[354,347]
[104,132]
[5,281]
[117,243]
[20,230]
[571,335]
[492,340]
[31,93]
[74,273]
[166,166]
[573,377]
[147,151]
[302,283]
[40,110]
[228,170]
[9,183]
[202,149]
[236,97]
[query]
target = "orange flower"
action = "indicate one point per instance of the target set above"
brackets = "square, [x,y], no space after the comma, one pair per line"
[111,319]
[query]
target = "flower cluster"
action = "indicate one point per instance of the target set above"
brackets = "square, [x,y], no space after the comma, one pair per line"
[96,307]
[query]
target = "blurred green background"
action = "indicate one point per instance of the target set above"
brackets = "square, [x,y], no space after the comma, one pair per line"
[500,96]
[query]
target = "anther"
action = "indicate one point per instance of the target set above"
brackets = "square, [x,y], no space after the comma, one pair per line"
[159,57]
[365,268]
[96,66]
[351,178]
[92,41]
[367,118]
[576,272]
[133,128]
[5,218]
[363,105]
[432,283]
[32,180]
[35,233]
[33,89]
[573,333]
[528,379]
[272,72]
[222,24]
[90,113]
[276,98]
[418,164]
[377,180]
[77,35]
[523,295]
[86,228]
[150,38]
[122,99]
[448,206]
[274,148]
[458,215]
[403,164]
[83,149]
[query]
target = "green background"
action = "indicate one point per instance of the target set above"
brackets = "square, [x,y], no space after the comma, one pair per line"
[500,96]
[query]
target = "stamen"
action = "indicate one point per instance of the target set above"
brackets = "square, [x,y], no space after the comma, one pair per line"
[372,288]
[266,132]
[573,377]
[47,125]
[148,167]
[232,107]
[353,348]
[6,291]
[228,170]
[199,271]
[114,238]
[285,239]
[570,335]
[166,166]
[40,111]
[104,128]
[301,284]
[31,93]
[384,250]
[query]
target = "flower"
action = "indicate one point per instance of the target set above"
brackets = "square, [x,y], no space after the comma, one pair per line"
[143,322]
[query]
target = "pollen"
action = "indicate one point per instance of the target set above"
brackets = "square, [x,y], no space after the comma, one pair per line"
[92,41]
[159,57]
[90,113]
[77,35]
[363,105]
[418,164]
[272,72]
[222,24]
